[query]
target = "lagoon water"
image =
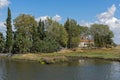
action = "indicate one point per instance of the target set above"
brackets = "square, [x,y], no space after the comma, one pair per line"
[82,70]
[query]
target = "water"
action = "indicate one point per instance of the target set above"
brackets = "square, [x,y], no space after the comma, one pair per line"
[82,70]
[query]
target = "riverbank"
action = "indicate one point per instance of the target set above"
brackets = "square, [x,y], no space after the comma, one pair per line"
[69,55]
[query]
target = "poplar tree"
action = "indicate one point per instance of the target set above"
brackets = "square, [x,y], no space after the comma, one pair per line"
[9,37]
[1,42]
[41,30]
[73,31]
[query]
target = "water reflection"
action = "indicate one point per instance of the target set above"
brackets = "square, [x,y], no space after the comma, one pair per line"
[79,70]
[115,71]
[3,72]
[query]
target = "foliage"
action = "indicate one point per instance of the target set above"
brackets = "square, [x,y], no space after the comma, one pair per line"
[2,43]
[23,40]
[9,33]
[84,31]
[102,35]
[50,36]
[21,44]
[41,30]
[50,44]
[37,42]
[72,29]
[58,32]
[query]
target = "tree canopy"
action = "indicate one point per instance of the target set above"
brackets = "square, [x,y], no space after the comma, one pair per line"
[102,35]
[49,35]
[9,33]
[73,31]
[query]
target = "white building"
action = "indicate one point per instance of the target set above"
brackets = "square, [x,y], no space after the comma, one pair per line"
[85,42]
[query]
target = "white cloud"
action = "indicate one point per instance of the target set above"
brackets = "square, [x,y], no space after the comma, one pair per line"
[57,18]
[1,24]
[108,18]
[4,3]
[43,18]
[85,23]
[108,14]
[2,27]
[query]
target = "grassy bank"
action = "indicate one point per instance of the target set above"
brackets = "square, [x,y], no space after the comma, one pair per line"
[68,55]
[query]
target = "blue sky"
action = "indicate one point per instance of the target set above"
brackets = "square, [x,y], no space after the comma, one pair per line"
[86,12]
[77,9]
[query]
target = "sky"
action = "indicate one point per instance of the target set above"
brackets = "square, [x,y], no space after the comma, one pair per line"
[85,12]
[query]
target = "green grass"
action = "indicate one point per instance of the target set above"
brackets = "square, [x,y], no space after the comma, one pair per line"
[111,54]
[106,54]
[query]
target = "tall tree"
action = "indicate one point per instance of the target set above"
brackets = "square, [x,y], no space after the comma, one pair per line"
[36,40]
[58,31]
[41,30]
[102,35]
[38,35]
[73,31]
[24,28]
[9,33]
[2,42]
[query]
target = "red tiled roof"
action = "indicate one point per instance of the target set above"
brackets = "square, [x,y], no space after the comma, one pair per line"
[86,40]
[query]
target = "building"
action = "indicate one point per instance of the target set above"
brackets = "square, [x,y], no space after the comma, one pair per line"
[85,42]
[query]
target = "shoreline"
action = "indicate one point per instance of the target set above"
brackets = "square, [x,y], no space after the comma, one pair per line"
[57,57]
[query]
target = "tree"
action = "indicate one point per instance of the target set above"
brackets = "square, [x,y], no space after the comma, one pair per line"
[84,31]
[46,41]
[38,36]
[9,32]
[50,44]
[36,40]
[58,32]
[41,30]
[2,42]
[102,35]
[73,31]
[24,29]
[21,45]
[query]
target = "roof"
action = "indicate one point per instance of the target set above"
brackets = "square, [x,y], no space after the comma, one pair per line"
[86,40]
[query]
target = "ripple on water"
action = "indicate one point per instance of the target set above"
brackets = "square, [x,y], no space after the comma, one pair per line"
[83,70]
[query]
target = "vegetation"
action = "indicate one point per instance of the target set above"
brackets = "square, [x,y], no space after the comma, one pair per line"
[58,32]
[9,33]
[49,36]
[2,43]
[72,29]
[102,35]
[107,54]
[23,34]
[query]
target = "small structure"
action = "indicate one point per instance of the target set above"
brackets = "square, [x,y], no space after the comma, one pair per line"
[86,42]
